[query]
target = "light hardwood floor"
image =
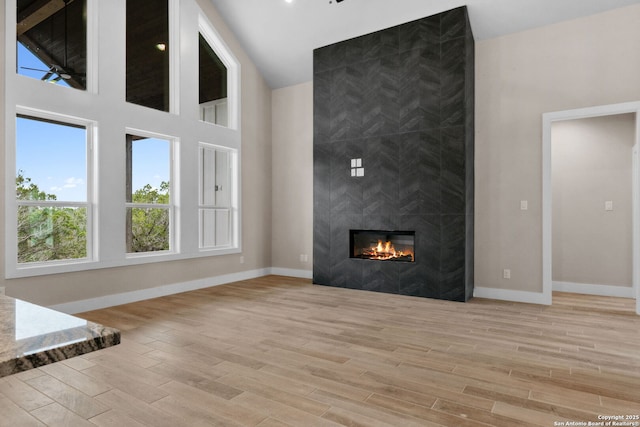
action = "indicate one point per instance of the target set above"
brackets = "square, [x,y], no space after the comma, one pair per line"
[278,351]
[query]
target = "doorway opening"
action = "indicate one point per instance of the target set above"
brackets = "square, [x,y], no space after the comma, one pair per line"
[563,121]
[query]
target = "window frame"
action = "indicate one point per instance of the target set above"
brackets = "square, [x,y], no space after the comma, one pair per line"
[218,45]
[173,197]
[89,13]
[89,203]
[232,208]
[173,91]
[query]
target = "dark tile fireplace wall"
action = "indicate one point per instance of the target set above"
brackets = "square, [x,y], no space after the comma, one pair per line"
[400,99]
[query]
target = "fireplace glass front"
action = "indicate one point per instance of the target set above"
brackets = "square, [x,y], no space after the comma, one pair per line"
[382,245]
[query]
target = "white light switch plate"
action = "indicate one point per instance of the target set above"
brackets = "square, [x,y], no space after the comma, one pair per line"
[608,205]
[524,205]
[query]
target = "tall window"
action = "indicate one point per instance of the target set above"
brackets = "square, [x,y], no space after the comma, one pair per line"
[98,180]
[51,190]
[149,207]
[148,78]
[52,41]
[212,85]
[217,197]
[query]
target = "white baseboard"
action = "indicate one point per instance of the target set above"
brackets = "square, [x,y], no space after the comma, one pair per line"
[589,289]
[302,274]
[175,288]
[478,292]
[511,295]
[160,291]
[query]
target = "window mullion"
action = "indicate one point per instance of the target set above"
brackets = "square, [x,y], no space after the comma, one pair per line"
[149,205]
[53,203]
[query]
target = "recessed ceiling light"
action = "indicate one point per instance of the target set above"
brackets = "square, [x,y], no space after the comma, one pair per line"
[289,1]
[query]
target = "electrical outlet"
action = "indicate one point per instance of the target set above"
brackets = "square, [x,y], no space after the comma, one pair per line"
[524,205]
[241,259]
[506,274]
[2,290]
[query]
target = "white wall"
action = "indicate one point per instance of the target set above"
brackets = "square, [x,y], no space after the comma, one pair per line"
[585,62]
[292,223]
[591,164]
[574,64]
[256,204]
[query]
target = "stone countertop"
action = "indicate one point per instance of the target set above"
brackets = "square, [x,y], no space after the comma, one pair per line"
[33,336]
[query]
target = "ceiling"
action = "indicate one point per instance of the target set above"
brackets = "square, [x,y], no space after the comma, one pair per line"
[280,36]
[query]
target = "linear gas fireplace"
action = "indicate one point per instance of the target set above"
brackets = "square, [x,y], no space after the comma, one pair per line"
[382,245]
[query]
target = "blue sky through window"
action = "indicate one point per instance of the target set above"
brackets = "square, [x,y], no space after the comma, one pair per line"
[27,60]
[150,162]
[54,157]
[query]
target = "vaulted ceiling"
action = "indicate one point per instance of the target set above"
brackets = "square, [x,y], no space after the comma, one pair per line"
[280,36]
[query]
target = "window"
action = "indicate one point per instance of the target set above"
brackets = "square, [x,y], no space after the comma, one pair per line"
[52,41]
[217,197]
[100,180]
[148,193]
[51,190]
[212,84]
[148,47]
[218,79]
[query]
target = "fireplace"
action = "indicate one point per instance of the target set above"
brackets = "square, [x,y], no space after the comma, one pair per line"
[379,245]
[393,150]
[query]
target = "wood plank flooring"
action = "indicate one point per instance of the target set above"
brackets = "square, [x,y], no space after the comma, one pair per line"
[278,351]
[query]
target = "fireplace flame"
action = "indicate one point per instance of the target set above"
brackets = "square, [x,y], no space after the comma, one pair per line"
[385,251]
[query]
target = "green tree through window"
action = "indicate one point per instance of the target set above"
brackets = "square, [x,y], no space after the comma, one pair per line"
[150,226]
[148,195]
[47,233]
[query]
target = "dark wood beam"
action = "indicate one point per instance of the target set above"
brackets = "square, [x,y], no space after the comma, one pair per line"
[37,13]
